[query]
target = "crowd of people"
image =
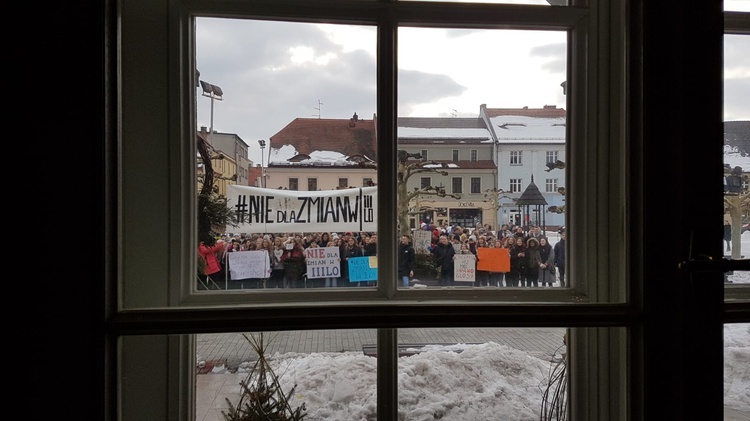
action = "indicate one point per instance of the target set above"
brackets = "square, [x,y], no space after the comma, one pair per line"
[534,262]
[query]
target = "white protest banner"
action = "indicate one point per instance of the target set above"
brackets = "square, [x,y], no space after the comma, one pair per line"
[422,240]
[464,269]
[323,262]
[261,210]
[249,264]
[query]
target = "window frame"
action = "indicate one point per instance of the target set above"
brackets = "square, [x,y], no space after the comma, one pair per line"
[551,157]
[550,185]
[170,310]
[516,158]
[476,182]
[457,185]
[514,185]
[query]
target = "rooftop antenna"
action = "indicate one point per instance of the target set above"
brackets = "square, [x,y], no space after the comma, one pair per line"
[319,107]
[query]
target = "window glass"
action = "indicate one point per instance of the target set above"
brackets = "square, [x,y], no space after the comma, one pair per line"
[281,83]
[477,106]
[476,185]
[736,150]
[736,345]
[333,372]
[737,5]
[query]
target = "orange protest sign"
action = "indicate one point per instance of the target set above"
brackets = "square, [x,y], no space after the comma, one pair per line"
[493,259]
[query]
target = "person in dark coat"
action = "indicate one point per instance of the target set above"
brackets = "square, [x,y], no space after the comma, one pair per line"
[444,253]
[406,260]
[559,251]
[515,277]
[728,234]
[533,262]
[547,267]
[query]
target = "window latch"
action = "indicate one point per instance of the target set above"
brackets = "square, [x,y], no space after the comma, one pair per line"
[709,264]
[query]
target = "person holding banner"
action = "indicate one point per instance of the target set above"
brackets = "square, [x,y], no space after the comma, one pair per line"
[406,260]
[517,263]
[294,263]
[277,265]
[482,276]
[212,271]
[349,250]
[496,278]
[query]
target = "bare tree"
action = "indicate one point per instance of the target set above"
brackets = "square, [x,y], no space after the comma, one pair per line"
[405,171]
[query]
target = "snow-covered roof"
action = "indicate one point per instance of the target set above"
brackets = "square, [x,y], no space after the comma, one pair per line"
[483,135]
[734,158]
[320,158]
[523,129]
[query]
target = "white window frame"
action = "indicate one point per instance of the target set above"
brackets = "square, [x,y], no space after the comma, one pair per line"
[550,185]
[551,157]
[516,158]
[515,185]
[157,287]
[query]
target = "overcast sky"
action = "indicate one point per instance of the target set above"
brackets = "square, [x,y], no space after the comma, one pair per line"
[274,72]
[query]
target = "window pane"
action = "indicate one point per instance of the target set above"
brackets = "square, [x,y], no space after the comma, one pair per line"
[457,374]
[328,369]
[294,104]
[736,371]
[467,139]
[737,5]
[482,373]
[736,152]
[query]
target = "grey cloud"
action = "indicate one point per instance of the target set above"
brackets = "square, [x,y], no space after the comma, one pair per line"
[416,87]
[554,54]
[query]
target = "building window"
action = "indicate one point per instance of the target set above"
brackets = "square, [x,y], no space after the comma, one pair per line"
[425,182]
[455,155]
[473,154]
[312,184]
[515,185]
[424,154]
[476,184]
[294,183]
[515,158]
[367,182]
[551,157]
[343,182]
[456,185]
[550,185]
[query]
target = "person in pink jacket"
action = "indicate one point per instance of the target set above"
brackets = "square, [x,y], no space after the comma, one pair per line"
[212,267]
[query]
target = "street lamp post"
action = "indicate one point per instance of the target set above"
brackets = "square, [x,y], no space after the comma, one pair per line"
[262,144]
[216,94]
